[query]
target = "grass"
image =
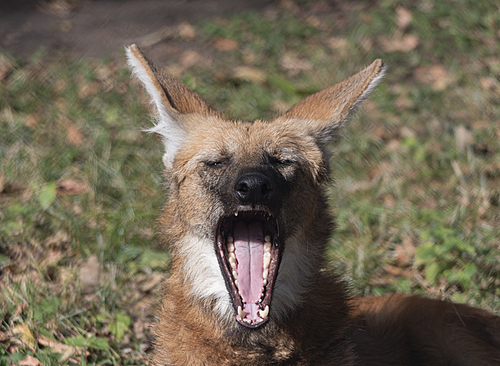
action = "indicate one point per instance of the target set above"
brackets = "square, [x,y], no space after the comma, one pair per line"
[416,176]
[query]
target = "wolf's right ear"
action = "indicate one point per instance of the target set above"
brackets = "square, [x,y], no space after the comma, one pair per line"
[171,99]
[322,114]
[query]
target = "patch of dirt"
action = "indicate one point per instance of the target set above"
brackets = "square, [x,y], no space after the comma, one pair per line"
[92,28]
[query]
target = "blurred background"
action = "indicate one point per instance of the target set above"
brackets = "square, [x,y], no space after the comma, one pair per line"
[416,188]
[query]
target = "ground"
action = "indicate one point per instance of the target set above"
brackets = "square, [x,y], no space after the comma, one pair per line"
[416,175]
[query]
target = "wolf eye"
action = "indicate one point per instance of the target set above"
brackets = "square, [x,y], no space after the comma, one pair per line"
[215,163]
[283,162]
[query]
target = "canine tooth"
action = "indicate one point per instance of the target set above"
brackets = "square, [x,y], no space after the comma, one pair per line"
[235,214]
[264,313]
[232,262]
[267,260]
[242,313]
[265,273]
[267,238]
[267,246]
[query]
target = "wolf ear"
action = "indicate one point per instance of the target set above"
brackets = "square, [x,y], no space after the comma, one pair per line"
[171,99]
[323,113]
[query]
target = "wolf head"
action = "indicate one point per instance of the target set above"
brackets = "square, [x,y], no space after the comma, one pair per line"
[247,219]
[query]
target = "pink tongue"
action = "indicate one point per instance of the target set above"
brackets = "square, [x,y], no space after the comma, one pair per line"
[249,251]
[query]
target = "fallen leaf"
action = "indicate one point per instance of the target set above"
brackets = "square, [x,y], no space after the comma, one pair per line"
[337,43]
[393,145]
[403,17]
[489,83]
[151,282]
[58,238]
[463,137]
[20,308]
[436,75]
[3,337]
[396,271]
[32,120]
[73,134]
[189,58]
[292,63]
[86,89]
[404,252]
[248,73]
[57,347]
[399,42]
[89,274]
[225,44]
[186,31]
[30,361]
[72,187]
[24,332]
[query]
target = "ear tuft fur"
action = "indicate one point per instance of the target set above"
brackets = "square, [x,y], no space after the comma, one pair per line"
[167,123]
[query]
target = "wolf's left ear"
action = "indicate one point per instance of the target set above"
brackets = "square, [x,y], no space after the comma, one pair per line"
[323,113]
[171,99]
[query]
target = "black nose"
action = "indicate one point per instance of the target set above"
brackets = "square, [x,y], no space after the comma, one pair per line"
[253,188]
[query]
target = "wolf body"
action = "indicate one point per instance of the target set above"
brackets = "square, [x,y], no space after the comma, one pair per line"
[247,222]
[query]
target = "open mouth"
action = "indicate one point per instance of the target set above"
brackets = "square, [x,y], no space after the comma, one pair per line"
[249,253]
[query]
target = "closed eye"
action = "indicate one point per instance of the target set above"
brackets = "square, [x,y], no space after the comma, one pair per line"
[215,163]
[281,161]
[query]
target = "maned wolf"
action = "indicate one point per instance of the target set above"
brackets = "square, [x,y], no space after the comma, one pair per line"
[247,222]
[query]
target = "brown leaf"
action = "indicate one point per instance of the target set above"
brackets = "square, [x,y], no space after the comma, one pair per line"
[404,252]
[399,42]
[3,337]
[463,137]
[186,31]
[32,120]
[89,274]
[151,282]
[57,347]
[225,44]
[72,187]
[436,75]
[248,73]
[489,83]
[58,238]
[292,63]
[30,361]
[396,271]
[403,17]
[73,134]
[189,58]
[337,43]
[20,308]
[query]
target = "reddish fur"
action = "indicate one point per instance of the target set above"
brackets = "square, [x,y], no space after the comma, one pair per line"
[326,327]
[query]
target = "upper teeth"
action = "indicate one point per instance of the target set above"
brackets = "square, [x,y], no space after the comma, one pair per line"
[267,259]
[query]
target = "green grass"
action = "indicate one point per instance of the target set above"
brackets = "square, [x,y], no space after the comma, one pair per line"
[416,175]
